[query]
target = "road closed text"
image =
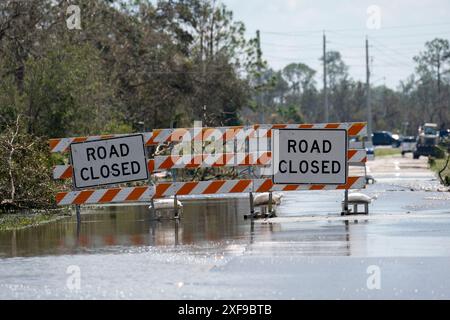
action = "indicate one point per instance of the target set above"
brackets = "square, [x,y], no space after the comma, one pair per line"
[305,166]
[310,156]
[106,171]
[109,161]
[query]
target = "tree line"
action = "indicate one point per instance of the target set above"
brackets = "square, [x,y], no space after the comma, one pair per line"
[139,65]
[292,94]
[133,64]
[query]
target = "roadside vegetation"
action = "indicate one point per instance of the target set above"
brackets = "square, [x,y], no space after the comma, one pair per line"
[441,163]
[22,220]
[382,152]
[26,188]
[25,173]
[442,168]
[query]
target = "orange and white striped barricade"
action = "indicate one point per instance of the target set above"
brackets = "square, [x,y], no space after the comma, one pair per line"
[161,136]
[107,160]
[242,146]
[183,188]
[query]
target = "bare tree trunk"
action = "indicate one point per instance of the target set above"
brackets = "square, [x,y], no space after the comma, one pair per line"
[211,33]
[10,160]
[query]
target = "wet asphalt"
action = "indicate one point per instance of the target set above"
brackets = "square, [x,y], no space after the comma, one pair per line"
[401,250]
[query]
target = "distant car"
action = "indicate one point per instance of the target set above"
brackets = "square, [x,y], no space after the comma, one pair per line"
[408,145]
[445,133]
[384,138]
[370,151]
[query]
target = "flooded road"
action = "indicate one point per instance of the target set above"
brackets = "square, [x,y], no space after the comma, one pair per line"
[309,251]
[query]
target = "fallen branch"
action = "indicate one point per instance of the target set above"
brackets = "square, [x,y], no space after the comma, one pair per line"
[443,169]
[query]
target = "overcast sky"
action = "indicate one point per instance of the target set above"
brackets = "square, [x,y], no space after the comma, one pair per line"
[291,31]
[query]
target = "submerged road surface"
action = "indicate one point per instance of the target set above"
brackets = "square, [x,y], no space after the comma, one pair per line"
[401,250]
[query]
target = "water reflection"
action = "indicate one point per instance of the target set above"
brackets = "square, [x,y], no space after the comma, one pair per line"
[204,224]
[203,221]
[356,237]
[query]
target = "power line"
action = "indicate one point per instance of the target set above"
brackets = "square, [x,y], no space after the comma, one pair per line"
[386,63]
[390,63]
[346,45]
[390,35]
[289,34]
[390,49]
[293,58]
[395,57]
[364,29]
[397,43]
[291,46]
[415,35]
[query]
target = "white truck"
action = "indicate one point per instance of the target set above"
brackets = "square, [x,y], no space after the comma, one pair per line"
[427,141]
[408,144]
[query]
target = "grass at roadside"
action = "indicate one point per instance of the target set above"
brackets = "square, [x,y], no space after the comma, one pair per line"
[437,165]
[382,152]
[20,220]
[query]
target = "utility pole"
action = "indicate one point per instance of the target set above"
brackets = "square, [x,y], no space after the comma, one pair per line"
[260,98]
[325,93]
[368,104]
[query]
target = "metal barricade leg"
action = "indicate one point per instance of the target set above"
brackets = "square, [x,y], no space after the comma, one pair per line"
[175,208]
[78,211]
[153,210]
[252,207]
[270,205]
[176,232]
[345,208]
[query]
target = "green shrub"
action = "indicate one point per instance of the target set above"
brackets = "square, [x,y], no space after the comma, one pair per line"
[432,162]
[439,152]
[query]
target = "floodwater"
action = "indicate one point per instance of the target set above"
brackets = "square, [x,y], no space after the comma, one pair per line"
[309,251]
[119,227]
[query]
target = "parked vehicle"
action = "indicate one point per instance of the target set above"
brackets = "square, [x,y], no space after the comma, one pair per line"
[444,134]
[445,138]
[408,145]
[370,150]
[397,140]
[427,141]
[385,138]
[357,144]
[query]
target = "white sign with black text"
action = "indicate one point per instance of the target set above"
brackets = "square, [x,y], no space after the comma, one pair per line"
[309,156]
[109,161]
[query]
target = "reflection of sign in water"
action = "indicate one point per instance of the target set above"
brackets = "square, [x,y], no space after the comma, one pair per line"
[109,161]
[310,156]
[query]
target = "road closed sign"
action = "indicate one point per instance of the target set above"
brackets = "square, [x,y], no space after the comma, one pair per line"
[310,156]
[109,161]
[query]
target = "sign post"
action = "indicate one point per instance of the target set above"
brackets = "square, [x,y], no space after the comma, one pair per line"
[78,213]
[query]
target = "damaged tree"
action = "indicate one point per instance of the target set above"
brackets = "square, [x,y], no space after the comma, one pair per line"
[25,170]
